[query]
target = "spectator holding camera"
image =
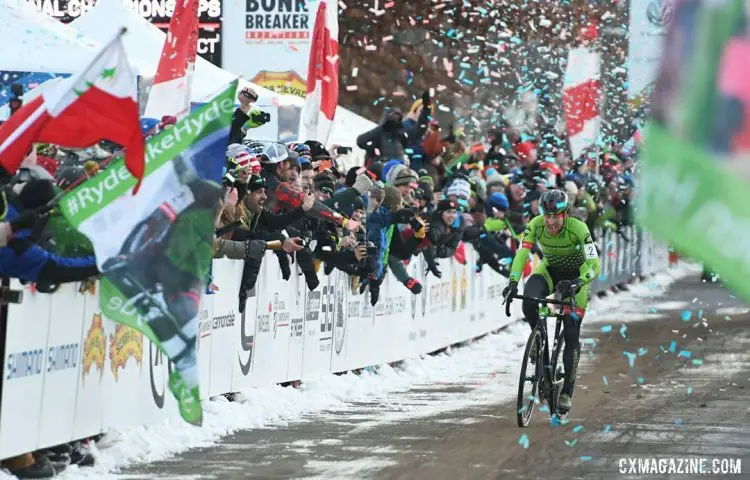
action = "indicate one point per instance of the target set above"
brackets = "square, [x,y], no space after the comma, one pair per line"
[245,116]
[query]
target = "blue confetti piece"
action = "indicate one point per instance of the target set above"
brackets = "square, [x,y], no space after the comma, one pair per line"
[554,420]
[623,329]
[524,441]
[685,353]
[571,443]
[697,361]
[603,277]
[686,315]
[631,358]
[586,458]
[604,379]
[642,351]
[607,328]
[544,409]
[652,310]
[690,390]
[577,428]
[607,428]
[700,314]
[678,422]
[672,346]
[641,380]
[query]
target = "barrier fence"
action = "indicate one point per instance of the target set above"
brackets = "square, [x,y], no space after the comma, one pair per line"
[70,373]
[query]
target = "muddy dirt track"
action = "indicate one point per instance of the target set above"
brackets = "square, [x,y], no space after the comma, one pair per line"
[685,396]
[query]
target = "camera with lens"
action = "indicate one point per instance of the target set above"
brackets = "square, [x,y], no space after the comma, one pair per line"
[16,101]
[227,180]
[260,117]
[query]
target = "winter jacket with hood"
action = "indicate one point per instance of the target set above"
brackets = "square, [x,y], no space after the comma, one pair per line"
[388,141]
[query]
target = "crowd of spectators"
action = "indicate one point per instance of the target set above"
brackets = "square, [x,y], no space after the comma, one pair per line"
[424,189]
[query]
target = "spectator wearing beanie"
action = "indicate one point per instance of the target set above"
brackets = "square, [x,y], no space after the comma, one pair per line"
[406,181]
[446,231]
[495,182]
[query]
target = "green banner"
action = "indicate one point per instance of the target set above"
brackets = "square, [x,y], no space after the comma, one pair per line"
[694,179]
[155,248]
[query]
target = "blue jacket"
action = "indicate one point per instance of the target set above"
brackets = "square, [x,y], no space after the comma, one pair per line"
[378,223]
[27,259]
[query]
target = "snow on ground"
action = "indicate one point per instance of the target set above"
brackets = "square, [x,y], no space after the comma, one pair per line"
[487,371]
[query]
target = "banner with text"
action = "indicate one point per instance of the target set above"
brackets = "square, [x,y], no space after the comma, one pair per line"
[268,42]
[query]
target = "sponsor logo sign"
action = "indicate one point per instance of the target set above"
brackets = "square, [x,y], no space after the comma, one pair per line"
[94,348]
[124,344]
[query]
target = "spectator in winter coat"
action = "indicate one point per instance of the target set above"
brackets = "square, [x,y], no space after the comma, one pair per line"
[389,139]
[380,227]
[446,230]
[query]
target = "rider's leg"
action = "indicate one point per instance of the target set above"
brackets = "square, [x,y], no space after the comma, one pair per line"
[538,285]
[572,332]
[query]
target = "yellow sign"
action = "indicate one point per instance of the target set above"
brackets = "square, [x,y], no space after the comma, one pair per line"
[125,343]
[94,348]
[287,83]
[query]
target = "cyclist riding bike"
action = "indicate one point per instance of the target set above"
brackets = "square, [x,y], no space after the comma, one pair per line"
[570,264]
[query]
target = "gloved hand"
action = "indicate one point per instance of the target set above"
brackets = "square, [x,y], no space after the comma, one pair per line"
[286,272]
[257,117]
[511,289]
[242,299]
[254,249]
[363,183]
[426,101]
[374,293]
[494,225]
[414,286]
[419,226]
[568,288]
[434,270]
[405,215]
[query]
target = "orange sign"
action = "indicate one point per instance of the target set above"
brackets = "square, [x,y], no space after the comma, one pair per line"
[289,82]
[94,348]
[126,342]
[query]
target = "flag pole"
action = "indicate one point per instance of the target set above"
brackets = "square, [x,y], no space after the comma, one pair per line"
[77,76]
[44,106]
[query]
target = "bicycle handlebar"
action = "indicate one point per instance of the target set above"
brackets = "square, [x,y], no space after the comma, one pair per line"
[549,301]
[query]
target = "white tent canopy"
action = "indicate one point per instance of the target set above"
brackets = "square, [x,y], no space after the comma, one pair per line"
[35,42]
[144,42]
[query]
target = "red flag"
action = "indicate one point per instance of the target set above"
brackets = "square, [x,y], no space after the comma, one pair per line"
[582,96]
[96,104]
[170,93]
[322,74]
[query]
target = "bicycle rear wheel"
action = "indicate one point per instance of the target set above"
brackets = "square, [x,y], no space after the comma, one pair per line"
[530,375]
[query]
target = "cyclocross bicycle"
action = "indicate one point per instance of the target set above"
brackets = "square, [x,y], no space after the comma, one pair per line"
[545,376]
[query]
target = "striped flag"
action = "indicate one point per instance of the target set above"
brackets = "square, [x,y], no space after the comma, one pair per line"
[322,74]
[582,99]
[98,103]
[170,93]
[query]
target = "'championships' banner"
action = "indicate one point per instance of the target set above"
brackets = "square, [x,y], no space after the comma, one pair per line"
[158,12]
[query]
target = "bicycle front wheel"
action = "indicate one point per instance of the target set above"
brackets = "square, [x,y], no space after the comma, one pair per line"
[558,377]
[528,383]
